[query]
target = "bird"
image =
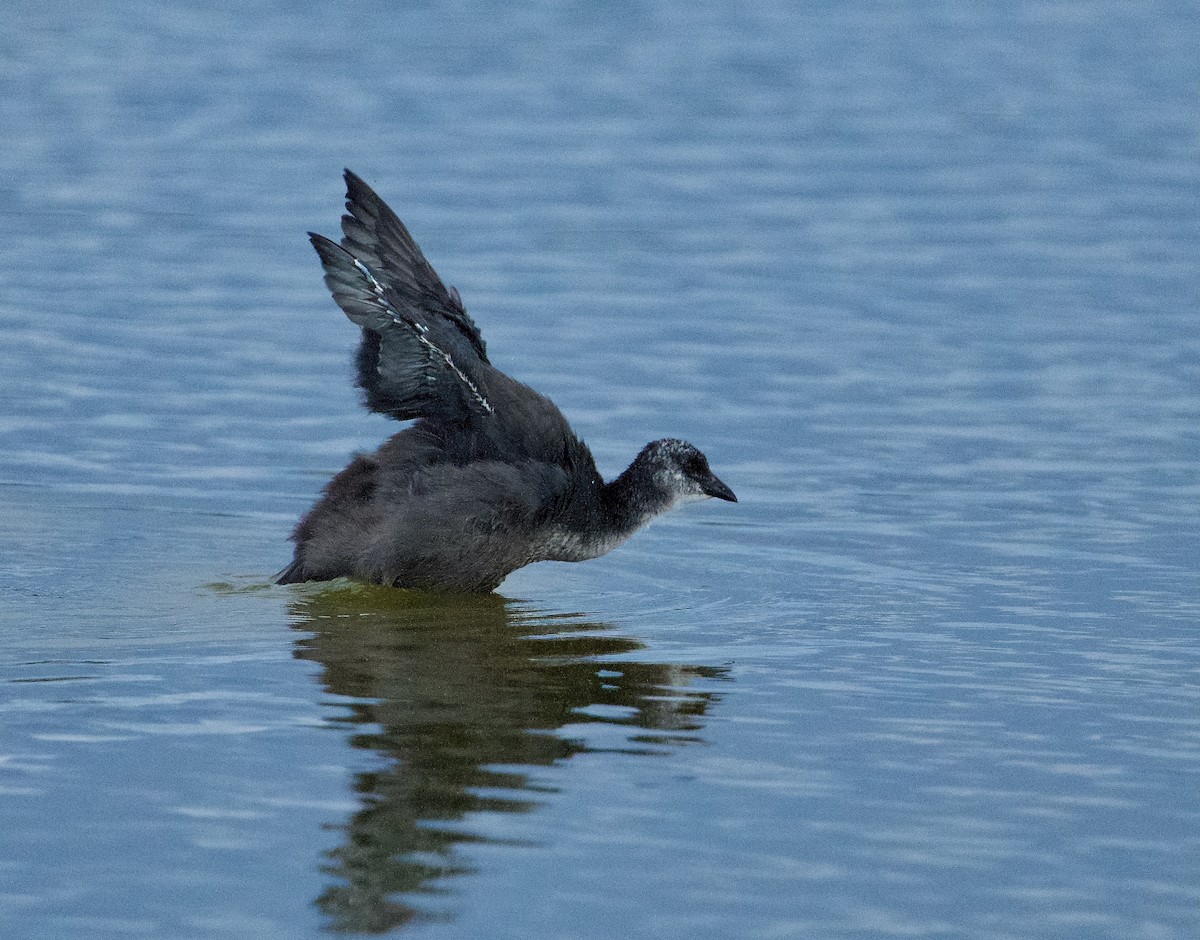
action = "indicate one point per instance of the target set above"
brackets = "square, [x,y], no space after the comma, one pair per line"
[489,477]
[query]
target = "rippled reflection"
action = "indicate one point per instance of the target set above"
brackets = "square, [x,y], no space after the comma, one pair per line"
[460,697]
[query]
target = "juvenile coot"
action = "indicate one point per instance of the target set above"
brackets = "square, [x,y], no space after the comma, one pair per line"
[491,476]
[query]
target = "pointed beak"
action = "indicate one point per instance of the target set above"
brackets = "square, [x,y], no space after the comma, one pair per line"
[714,487]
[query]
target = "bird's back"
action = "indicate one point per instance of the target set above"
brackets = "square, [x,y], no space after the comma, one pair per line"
[435,509]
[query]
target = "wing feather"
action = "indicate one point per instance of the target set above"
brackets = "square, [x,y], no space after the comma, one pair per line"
[409,366]
[374,234]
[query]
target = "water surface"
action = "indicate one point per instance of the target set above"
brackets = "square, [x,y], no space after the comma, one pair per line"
[922,280]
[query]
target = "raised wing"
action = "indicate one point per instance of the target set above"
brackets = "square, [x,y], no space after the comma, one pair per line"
[374,235]
[415,361]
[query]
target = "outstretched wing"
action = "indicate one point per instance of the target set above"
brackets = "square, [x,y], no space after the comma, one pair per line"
[374,235]
[414,361]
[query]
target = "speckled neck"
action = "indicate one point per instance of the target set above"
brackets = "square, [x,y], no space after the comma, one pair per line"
[622,507]
[633,499]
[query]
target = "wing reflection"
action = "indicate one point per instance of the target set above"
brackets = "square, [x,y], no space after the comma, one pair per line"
[460,697]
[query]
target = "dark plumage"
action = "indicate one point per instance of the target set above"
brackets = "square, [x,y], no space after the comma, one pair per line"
[491,476]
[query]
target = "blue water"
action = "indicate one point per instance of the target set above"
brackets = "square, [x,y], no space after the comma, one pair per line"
[921,278]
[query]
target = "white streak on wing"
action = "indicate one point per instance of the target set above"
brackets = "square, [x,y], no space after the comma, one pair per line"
[457,371]
[421,329]
[366,272]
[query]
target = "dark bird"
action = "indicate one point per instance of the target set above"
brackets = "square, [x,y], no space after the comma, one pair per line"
[490,477]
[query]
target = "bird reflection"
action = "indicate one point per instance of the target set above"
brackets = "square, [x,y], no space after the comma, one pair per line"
[461,698]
